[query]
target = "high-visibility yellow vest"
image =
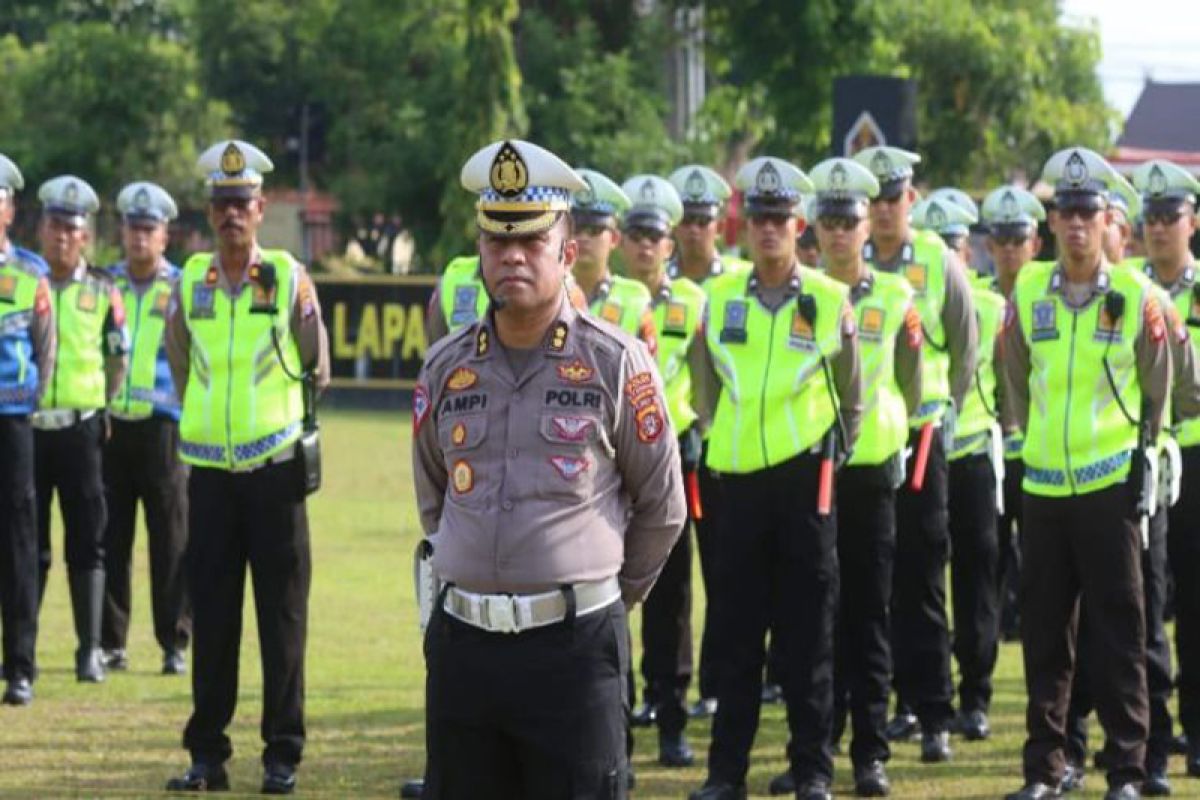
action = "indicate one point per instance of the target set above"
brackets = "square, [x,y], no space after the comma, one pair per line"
[923,265]
[1078,440]
[148,389]
[775,402]
[80,311]
[239,408]
[622,302]
[464,299]
[676,319]
[18,367]
[883,429]
[980,410]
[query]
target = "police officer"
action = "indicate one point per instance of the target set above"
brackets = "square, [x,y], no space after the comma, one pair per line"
[1125,202]
[889,337]
[1169,219]
[976,464]
[920,636]
[1168,211]
[27,347]
[1087,371]
[71,427]
[696,257]
[458,300]
[12,182]
[678,305]
[779,363]
[618,300]
[1011,216]
[549,487]
[956,233]
[141,460]
[704,193]
[244,331]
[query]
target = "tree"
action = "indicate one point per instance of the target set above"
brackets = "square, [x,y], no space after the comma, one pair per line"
[110,108]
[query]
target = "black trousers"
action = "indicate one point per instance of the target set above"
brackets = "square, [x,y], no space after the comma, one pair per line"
[71,462]
[539,715]
[1085,545]
[920,635]
[1009,576]
[141,463]
[667,638]
[1159,682]
[707,529]
[974,558]
[866,547]
[256,518]
[1183,546]
[777,570]
[18,548]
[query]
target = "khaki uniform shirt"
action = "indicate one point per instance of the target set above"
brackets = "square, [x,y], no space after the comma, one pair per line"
[566,473]
[1152,355]
[307,327]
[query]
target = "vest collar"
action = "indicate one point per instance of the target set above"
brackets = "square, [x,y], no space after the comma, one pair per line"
[222,279]
[78,275]
[1185,281]
[1100,283]
[863,288]
[663,294]
[675,269]
[904,256]
[559,341]
[792,284]
[603,289]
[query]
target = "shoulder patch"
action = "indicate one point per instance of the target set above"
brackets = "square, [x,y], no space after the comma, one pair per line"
[420,406]
[914,334]
[1153,317]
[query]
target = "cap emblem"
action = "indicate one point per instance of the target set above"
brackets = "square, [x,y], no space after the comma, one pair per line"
[838,178]
[232,160]
[509,175]
[586,197]
[881,164]
[1158,181]
[141,201]
[1076,171]
[1008,206]
[695,186]
[647,192]
[767,180]
[71,193]
[936,217]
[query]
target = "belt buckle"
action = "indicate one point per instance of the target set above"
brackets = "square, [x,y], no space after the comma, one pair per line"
[501,613]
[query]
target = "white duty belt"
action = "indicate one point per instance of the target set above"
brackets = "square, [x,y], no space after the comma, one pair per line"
[57,419]
[514,613]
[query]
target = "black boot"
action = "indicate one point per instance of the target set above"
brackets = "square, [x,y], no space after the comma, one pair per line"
[87,598]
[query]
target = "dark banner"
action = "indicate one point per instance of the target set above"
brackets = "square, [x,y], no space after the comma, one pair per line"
[376,329]
[872,110]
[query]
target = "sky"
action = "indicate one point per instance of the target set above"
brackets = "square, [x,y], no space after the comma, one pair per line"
[1159,38]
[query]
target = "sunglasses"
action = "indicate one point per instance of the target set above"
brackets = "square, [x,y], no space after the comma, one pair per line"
[1007,240]
[1164,218]
[838,223]
[644,235]
[697,221]
[778,220]
[1085,214]
[590,230]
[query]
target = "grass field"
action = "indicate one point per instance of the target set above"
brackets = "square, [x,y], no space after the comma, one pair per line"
[365,675]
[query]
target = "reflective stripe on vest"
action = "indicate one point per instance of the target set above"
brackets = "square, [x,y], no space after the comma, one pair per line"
[1078,440]
[924,267]
[148,388]
[980,406]
[884,425]
[676,319]
[623,304]
[240,408]
[80,310]
[18,369]
[774,401]
[462,294]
